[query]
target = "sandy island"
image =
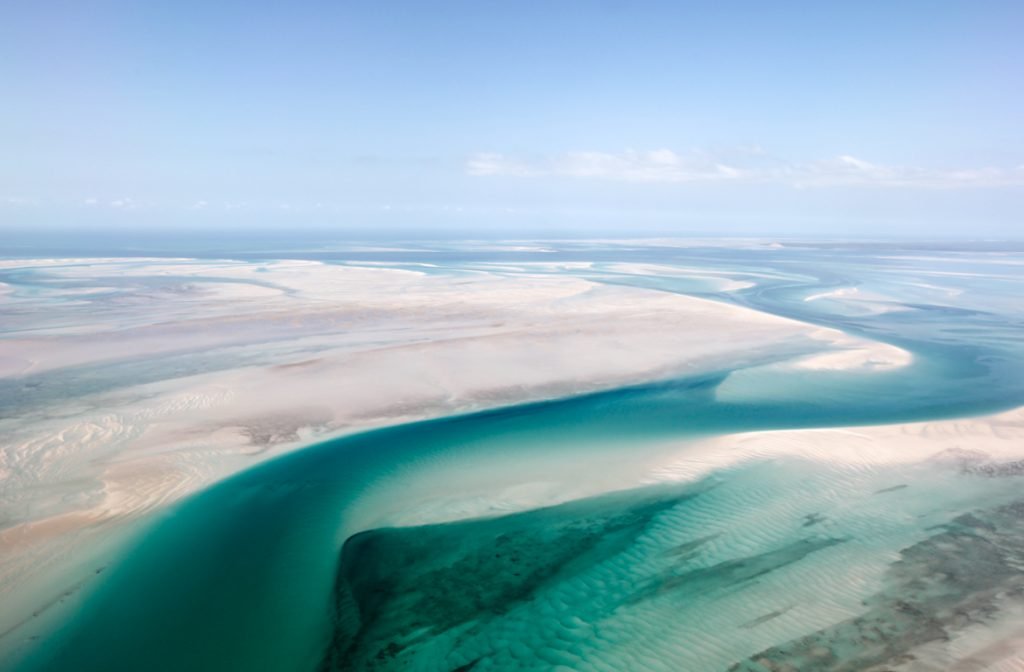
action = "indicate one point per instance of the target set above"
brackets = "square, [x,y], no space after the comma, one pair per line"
[133,383]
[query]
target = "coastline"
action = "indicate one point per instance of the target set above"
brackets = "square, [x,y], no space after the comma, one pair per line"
[147,446]
[643,365]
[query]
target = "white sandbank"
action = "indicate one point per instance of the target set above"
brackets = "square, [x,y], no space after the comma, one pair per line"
[971,442]
[303,351]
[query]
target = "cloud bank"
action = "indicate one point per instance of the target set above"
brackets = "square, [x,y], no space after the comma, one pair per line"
[750,166]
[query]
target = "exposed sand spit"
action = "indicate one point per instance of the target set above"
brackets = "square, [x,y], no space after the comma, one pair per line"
[174,374]
[989,442]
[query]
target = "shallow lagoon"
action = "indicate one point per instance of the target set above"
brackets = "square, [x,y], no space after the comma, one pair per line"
[251,574]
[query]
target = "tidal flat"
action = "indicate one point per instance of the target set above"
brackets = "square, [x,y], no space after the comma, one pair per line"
[584,456]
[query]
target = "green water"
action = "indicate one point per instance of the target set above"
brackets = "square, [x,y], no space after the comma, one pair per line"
[241,576]
[688,578]
[250,574]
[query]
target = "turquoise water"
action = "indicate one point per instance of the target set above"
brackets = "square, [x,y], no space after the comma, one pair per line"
[251,574]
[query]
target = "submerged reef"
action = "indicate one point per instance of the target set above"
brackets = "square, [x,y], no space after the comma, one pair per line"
[442,596]
[564,587]
[956,578]
[399,587]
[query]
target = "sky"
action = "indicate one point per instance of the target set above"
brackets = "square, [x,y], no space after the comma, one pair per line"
[492,118]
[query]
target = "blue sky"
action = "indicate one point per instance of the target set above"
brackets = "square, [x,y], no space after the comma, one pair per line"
[606,117]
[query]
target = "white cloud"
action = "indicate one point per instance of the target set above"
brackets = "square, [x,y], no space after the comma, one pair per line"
[747,165]
[659,165]
[18,200]
[496,164]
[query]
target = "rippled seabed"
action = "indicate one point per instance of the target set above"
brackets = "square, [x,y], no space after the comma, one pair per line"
[766,565]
